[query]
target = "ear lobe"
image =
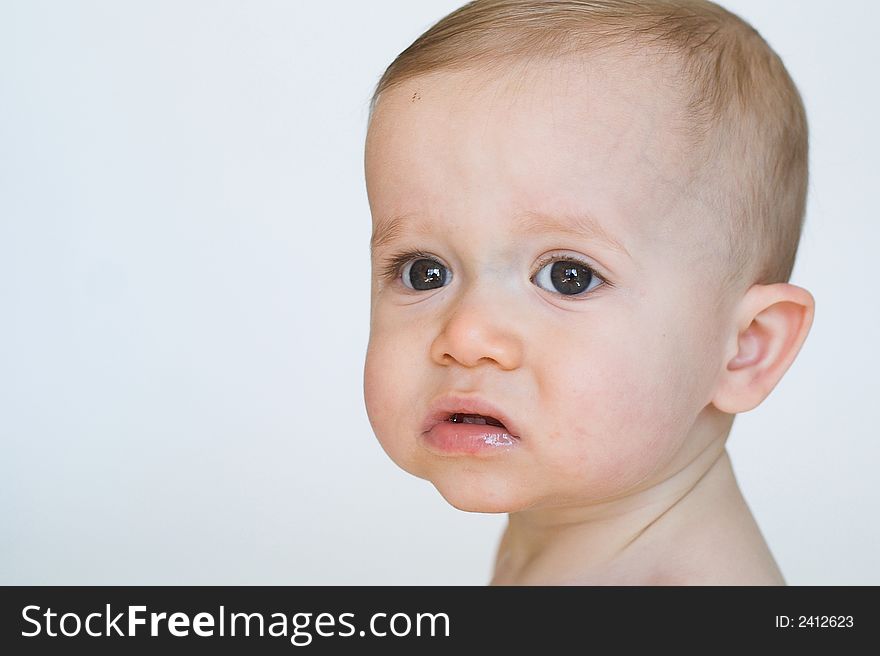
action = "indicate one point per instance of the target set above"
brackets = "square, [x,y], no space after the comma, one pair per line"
[772,322]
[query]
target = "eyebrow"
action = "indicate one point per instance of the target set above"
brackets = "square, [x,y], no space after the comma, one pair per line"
[579,225]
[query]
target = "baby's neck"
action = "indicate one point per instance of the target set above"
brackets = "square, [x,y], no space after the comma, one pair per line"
[693,528]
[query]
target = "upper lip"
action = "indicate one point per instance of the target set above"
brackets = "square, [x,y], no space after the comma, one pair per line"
[445,406]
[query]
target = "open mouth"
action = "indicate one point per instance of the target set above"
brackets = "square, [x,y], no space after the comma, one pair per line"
[462,418]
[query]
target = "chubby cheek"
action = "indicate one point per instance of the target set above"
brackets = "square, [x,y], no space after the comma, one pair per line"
[390,385]
[619,413]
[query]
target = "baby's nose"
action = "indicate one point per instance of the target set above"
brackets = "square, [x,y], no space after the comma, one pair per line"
[479,329]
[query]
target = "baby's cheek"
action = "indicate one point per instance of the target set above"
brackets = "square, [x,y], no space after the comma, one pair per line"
[621,425]
[384,382]
[392,395]
[654,412]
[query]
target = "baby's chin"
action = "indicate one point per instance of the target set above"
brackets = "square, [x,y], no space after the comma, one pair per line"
[471,503]
[467,486]
[480,494]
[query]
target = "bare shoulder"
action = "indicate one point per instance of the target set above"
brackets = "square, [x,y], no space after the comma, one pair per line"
[716,541]
[728,551]
[731,573]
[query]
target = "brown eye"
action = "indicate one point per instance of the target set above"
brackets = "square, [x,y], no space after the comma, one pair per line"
[424,274]
[567,277]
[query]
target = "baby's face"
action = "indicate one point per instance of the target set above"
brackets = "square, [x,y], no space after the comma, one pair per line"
[546,257]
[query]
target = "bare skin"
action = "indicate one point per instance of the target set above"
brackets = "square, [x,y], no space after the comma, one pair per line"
[622,397]
[698,530]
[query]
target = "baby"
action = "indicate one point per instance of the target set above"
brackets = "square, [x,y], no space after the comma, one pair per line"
[585,215]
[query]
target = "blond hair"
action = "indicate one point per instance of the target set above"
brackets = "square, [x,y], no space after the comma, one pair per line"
[741,104]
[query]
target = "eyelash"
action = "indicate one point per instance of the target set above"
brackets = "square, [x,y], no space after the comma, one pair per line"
[395,264]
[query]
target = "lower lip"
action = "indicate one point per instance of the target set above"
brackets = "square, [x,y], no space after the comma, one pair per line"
[452,438]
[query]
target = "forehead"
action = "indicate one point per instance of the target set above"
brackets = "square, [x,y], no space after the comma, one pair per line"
[598,137]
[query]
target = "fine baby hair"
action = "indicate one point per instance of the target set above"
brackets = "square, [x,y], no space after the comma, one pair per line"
[742,109]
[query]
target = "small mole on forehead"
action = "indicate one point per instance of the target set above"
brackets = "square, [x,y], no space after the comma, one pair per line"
[416,96]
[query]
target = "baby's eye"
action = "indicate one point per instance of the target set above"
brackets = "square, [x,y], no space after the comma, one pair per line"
[567,276]
[423,274]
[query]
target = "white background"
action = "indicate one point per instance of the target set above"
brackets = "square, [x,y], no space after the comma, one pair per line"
[184,303]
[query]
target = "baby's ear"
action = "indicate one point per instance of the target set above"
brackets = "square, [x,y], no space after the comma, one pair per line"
[772,322]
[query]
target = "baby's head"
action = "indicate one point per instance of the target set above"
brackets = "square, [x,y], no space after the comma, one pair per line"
[585,215]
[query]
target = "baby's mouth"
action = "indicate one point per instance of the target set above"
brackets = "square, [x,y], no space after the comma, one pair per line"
[473,415]
[462,418]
